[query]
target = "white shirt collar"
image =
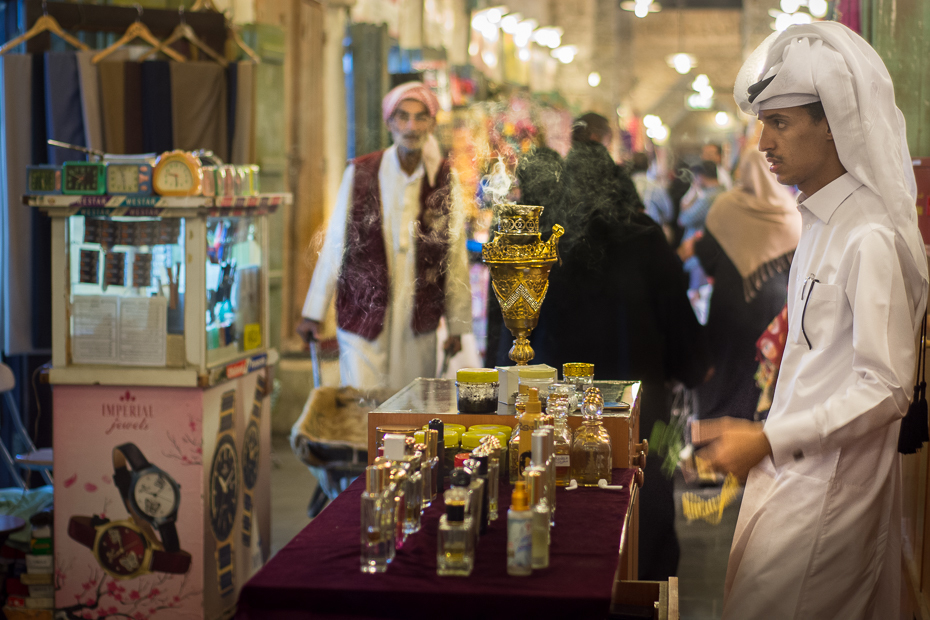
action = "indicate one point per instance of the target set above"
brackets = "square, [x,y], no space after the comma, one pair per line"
[824,202]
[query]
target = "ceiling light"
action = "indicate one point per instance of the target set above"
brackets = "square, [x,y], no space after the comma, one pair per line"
[594,79]
[489,58]
[782,22]
[722,119]
[818,8]
[801,18]
[641,10]
[630,5]
[700,82]
[496,13]
[510,22]
[565,54]
[523,54]
[651,121]
[789,6]
[682,63]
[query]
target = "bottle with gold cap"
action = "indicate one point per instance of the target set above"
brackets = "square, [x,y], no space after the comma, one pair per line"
[579,374]
[376,529]
[559,404]
[422,452]
[513,446]
[528,423]
[591,452]
[519,533]
[455,550]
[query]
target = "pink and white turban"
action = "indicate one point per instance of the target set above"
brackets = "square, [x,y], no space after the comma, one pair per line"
[417,91]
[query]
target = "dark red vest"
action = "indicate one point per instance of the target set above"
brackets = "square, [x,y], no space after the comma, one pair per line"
[363,287]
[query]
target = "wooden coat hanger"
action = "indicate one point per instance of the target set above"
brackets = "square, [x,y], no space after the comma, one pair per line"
[45,23]
[237,38]
[184,31]
[136,30]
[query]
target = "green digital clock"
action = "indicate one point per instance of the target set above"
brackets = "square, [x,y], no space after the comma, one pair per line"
[43,179]
[83,178]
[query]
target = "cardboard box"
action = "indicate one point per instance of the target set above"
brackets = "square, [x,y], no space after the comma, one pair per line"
[509,380]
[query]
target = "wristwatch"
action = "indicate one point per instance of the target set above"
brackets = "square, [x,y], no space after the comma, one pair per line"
[224,493]
[123,550]
[250,454]
[149,493]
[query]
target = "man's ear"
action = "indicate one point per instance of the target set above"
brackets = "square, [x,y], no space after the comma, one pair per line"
[829,133]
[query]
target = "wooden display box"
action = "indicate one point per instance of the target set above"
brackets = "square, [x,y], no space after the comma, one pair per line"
[639,600]
[426,399]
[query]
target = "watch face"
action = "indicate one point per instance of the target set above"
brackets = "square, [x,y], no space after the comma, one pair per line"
[44,180]
[82,178]
[155,495]
[121,551]
[250,456]
[175,176]
[123,179]
[224,488]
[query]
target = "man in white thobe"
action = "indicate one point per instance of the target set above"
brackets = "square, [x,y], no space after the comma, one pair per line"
[394,255]
[819,529]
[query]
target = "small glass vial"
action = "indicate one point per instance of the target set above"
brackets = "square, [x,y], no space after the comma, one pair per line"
[476,390]
[559,403]
[492,446]
[436,424]
[422,452]
[579,374]
[536,483]
[455,550]
[435,473]
[549,460]
[376,532]
[591,456]
[519,533]
[461,478]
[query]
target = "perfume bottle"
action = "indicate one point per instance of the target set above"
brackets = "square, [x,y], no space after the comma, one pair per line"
[492,446]
[549,460]
[395,452]
[422,453]
[539,507]
[513,446]
[520,454]
[559,404]
[460,478]
[479,468]
[455,550]
[376,530]
[437,425]
[432,440]
[519,533]
[591,456]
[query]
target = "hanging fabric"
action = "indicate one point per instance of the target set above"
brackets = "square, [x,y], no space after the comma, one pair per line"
[157,133]
[64,120]
[198,107]
[132,107]
[243,143]
[90,101]
[15,220]
[113,102]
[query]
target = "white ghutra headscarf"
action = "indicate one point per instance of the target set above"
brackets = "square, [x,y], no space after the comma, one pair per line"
[828,62]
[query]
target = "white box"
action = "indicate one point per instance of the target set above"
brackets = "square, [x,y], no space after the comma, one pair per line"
[509,380]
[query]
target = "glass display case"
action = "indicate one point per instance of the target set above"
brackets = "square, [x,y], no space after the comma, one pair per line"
[170,291]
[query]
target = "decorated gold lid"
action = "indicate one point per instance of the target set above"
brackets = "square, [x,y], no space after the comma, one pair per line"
[476,375]
[577,369]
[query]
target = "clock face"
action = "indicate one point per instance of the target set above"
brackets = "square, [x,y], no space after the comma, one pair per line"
[155,495]
[80,178]
[174,176]
[250,451]
[224,488]
[123,179]
[121,551]
[44,180]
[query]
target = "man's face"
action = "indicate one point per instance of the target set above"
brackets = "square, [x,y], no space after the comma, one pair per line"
[710,153]
[797,148]
[410,125]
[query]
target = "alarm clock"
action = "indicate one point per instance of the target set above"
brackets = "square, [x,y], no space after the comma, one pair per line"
[83,178]
[177,173]
[129,178]
[43,180]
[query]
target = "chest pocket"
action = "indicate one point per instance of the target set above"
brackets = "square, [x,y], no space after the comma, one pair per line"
[816,322]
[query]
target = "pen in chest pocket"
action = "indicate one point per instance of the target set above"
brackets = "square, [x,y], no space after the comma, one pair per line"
[812,280]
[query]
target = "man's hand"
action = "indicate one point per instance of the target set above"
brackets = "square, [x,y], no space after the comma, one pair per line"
[738,447]
[308,329]
[452,345]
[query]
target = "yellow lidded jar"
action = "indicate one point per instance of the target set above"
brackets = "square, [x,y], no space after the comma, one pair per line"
[476,390]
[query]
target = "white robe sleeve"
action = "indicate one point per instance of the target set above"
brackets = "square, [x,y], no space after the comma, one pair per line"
[883,359]
[323,283]
[458,284]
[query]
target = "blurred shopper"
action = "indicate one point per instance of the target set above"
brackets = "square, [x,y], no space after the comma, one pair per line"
[618,300]
[591,128]
[394,255]
[694,207]
[712,151]
[819,529]
[752,232]
[653,195]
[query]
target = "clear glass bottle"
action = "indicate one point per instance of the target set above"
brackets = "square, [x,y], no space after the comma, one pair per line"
[376,537]
[513,446]
[422,453]
[437,425]
[539,378]
[536,484]
[398,451]
[579,374]
[481,469]
[591,456]
[455,550]
[460,478]
[389,526]
[432,437]
[559,407]
[519,533]
[521,452]
[549,459]
[492,446]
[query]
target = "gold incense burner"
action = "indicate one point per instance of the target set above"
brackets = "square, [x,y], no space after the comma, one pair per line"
[520,262]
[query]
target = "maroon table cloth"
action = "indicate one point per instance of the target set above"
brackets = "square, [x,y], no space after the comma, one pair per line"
[316,575]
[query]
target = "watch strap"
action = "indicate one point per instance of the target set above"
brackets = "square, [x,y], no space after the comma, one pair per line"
[259,396]
[227,409]
[133,456]
[174,562]
[84,529]
[169,537]
[225,575]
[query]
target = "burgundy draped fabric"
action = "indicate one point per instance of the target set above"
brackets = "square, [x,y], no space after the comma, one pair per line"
[316,576]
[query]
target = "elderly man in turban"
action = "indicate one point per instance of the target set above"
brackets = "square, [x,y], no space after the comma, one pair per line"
[819,529]
[394,254]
